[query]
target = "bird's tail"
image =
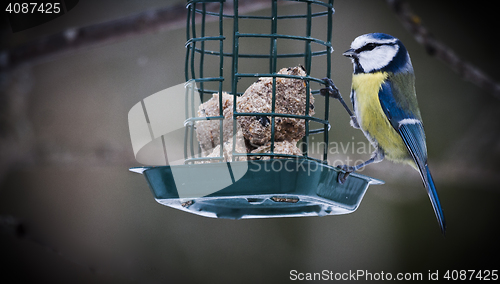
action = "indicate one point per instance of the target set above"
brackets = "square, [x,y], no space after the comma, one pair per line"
[431,191]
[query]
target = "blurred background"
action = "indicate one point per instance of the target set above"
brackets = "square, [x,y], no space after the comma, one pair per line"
[72,212]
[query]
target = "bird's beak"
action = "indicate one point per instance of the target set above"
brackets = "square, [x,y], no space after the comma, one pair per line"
[350,53]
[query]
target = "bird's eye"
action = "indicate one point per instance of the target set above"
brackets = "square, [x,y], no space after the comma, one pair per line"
[367,47]
[370,46]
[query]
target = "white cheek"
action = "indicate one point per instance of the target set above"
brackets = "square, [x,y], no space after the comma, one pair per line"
[377,58]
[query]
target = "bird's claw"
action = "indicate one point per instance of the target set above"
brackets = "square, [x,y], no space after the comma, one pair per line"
[330,89]
[346,171]
[354,122]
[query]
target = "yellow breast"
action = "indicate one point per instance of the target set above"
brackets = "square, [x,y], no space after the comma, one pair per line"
[372,119]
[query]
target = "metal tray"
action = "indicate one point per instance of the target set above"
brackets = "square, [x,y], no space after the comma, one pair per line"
[256,189]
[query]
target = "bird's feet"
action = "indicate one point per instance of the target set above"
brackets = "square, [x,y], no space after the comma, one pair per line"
[347,170]
[330,89]
[354,122]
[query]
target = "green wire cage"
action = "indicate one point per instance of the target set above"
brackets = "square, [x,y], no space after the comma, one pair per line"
[194,67]
[282,184]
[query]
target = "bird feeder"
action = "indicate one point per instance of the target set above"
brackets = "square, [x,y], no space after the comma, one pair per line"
[239,155]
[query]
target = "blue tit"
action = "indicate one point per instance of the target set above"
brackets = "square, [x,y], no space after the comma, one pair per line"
[386,109]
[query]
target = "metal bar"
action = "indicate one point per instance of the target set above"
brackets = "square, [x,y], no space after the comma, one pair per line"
[272,155]
[319,14]
[202,53]
[193,45]
[312,2]
[191,95]
[202,39]
[188,48]
[279,76]
[273,67]
[328,74]
[243,55]
[208,79]
[315,119]
[284,36]
[308,64]
[234,79]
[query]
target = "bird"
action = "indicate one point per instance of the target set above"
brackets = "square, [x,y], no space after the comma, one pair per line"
[386,109]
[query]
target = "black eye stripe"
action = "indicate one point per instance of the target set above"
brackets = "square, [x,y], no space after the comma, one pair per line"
[369,46]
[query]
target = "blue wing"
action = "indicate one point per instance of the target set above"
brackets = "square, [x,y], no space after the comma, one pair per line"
[410,127]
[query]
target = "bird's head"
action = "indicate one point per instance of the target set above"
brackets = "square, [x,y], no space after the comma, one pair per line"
[378,52]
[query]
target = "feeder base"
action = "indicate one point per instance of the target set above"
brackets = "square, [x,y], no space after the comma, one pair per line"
[257,189]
